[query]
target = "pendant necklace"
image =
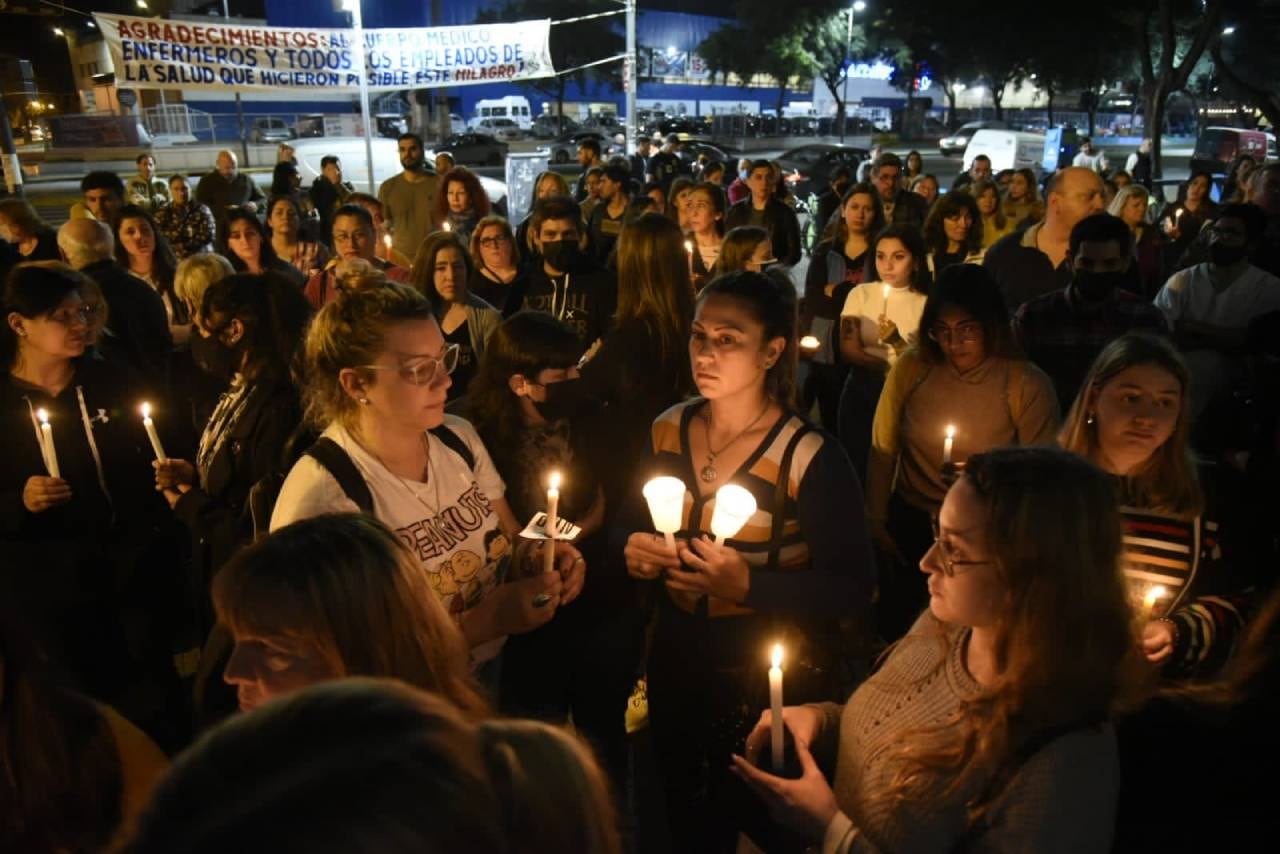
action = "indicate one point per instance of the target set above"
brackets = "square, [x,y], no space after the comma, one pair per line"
[708,472]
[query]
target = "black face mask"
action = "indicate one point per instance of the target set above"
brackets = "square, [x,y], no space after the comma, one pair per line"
[563,255]
[1097,286]
[1224,255]
[215,358]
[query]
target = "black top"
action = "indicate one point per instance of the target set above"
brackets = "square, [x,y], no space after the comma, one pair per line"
[46,249]
[467,360]
[604,230]
[136,319]
[506,298]
[781,223]
[664,167]
[584,299]
[1023,272]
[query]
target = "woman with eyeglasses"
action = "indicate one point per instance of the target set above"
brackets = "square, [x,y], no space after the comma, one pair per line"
[247,245]
[963,390]
[377,378]
[441,271]
[284,221]
[251,330]
[82,531]
[989,726]
[498,277]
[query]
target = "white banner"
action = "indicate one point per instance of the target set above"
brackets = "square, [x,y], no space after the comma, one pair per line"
[150,53]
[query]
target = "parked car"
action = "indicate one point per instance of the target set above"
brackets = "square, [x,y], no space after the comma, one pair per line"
[688,152]
[547,126]
[475,149]
[805,169]
[565,148]
[457,124]
[271,129]
[684,124]
[1217,147]
[958,141]
[505,130]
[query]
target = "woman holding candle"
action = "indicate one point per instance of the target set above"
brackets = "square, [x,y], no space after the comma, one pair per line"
[461,203]
[1183,220]
[794,566]
[284,219]
[377,377]
[706,232]
[1131,419]
[987,727]
[89,555]
[964,372]
[838,265]
[441,271]
[143,251]
[879,321]
[498,277]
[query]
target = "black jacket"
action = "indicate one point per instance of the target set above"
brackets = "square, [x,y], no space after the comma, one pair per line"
[585,300]
[136,319]
[781,223]
[909,209]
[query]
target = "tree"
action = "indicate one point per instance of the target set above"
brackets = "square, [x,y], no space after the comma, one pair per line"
[571,45]
[1246,59]
[1084,54]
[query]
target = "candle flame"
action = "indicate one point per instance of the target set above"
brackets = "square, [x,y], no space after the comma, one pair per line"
[146,410]
[386,240]
[777,655]
[809,342]
[1155,594]
[688,246]
[447,226]
[555,480]
[951,431]
[887,288]
[43,415]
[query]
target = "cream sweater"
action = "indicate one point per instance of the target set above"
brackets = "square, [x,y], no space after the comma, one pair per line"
[1063,798]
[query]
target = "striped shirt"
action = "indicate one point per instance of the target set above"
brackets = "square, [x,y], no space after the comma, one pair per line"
[1185,558]
[807,544]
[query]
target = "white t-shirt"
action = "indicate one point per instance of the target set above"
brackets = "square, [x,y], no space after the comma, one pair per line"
[450,525]
[1189,294]
[867,302]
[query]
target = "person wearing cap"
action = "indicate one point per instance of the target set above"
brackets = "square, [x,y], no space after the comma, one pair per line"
[763,210]
[666,164]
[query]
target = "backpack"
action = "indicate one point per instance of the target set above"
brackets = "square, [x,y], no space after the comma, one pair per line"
[330,455]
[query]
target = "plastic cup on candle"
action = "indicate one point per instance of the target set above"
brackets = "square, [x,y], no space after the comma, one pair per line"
[553,506]
[150,427]
[665,497]
[734,506]
[50,452]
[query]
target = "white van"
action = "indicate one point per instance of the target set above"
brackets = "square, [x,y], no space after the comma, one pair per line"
[514,107]
[1008,149]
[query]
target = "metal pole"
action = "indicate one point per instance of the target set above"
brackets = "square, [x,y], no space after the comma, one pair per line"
[244,139]
[629,68]
[357,24]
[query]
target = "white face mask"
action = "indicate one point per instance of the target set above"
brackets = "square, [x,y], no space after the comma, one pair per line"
[7,235]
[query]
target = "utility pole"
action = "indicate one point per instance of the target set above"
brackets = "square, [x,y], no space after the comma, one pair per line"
[630,76]
[357,26]
[244,138]
[444,123]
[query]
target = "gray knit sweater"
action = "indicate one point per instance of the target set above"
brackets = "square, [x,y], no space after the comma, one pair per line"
[1063,798]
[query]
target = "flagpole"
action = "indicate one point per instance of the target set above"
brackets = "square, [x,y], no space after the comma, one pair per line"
[357,25]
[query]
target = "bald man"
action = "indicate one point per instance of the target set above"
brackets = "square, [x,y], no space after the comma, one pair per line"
[227,187]
[137,326]
[1034,262]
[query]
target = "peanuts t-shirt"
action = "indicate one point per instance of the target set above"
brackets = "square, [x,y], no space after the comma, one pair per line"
[449,523]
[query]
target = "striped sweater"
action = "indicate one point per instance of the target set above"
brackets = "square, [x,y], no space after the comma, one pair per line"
[1184,556]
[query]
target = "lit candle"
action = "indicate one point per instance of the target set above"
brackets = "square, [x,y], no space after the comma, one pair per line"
[386,241]
[150,427]
[688,247]
[1154,595]
[50,452]
[775,708]
[447,226]
[734,506]
[665,496]
[887,289]
[947,443]
[553,505]
[810,342]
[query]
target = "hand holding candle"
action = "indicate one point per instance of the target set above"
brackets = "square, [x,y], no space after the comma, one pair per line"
[665,496]
[553,507]
[150,427]
[734,506]
[775,708]
[46,436]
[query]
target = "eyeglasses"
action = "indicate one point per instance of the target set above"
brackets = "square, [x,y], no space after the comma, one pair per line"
[949,563]
[494,242]
[1229,233]
[69,317]
[426,371]
[353,236]
[963,334]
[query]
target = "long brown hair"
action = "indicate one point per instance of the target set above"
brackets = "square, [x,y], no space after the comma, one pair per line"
[345,586]
[1167,481]
[423,276]
[738,247]
[1064,643]
[654,286]
[838,233]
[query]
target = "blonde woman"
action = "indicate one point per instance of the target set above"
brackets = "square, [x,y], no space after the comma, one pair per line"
[1022,202]
[1131,205]
[995,224]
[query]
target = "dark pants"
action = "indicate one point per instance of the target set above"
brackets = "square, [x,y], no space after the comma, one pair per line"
[825,384]
[904,590]
[858,403]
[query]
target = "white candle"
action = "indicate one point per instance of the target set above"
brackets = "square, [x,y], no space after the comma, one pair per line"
[150,427]
[947,443]
[1154,595]
[810,342]
[665,497]
[386,241]
[446,226]
[734,506]
[775,707]
[553,505]
[50,452]
[887,289]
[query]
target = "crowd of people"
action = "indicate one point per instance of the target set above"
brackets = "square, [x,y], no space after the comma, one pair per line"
[276,573]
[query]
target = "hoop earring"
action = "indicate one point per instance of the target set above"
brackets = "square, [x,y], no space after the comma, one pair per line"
[365,401]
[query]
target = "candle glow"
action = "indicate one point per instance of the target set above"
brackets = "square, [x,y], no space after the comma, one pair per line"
[150,427]
[50,452]
[1154,595]
[665,497]
[553,506]
[810,342]
[775,708]
[447,226]
[948,444]
[734,506]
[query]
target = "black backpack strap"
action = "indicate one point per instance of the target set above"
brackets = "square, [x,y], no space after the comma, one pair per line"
[337,462]
[454,442]
[780,494]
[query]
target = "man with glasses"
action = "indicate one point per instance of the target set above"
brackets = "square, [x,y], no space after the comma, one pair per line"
[605,223]
[409,199]
[137,323]
[354,238]
[1210,306]
[901,206]
[1037,261]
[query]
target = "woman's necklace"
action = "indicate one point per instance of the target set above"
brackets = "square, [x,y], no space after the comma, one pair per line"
[708,473]
[431,479]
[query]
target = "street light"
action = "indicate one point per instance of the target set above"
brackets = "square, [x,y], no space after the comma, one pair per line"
[859,6]
[1228,30]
